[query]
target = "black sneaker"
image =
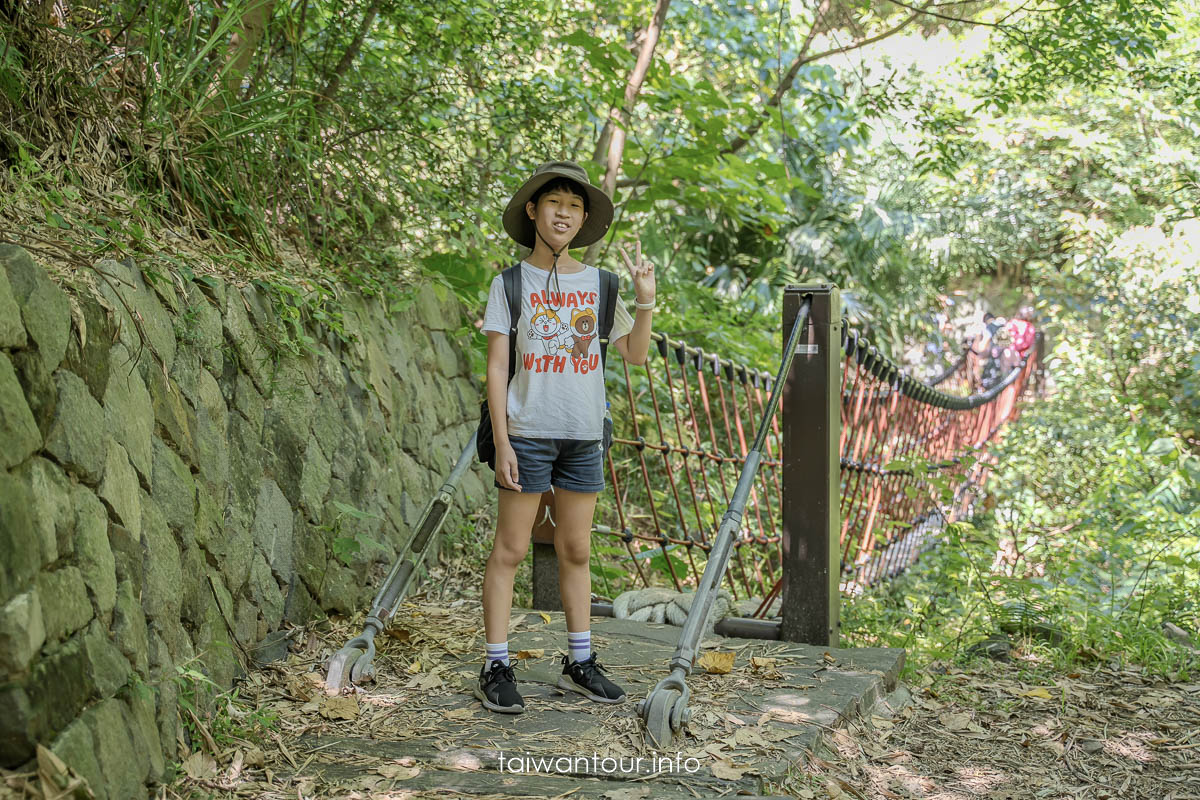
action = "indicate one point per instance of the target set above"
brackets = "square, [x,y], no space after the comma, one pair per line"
[497,689]
[584,677]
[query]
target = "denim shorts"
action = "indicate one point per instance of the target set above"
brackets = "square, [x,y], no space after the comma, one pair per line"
[576,465]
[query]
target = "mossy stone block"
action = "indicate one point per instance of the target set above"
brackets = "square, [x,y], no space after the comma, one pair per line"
[92,551]
[88,354]
[123,773]
[129,630]
[273,529]
[19,434]
[129,411]
[17,740]
[77,748]
[23,536]
[120,488]
[126,290]
[174,488]
[140,718]
[22,633]
[65,604]
[161,566]
[12,330]
[110,669]
[60,685]
[76,438]
[45,309]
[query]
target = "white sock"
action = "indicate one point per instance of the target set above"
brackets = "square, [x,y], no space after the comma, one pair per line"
[580,645]
[497,652]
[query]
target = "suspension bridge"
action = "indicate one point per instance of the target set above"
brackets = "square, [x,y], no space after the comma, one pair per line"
[774,496]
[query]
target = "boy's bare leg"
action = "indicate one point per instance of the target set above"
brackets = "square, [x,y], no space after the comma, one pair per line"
[572,542]
[516,515]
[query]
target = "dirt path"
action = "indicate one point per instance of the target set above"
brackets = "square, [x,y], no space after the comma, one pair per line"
[1020,731]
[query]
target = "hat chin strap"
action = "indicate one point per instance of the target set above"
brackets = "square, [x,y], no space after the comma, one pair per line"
[553,267]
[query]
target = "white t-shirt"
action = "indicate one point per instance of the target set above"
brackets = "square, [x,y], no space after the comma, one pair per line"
[557,391]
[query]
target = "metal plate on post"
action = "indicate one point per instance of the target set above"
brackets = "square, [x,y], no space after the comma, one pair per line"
[807,349]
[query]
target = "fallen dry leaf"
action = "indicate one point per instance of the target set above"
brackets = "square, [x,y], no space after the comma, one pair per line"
[525,654]
[1039,692]
[463,761]
[725,770]
[833,789]
[255,757]
[545,617]
[428,681]
[398,771]
[200,766]
[339,707]
[954,722]
[717,662]
[299,688]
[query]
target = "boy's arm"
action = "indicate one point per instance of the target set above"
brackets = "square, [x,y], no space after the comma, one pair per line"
[635,346]
[507,474]
[497,385]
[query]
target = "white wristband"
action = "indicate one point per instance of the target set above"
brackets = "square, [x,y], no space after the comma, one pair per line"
[643,306]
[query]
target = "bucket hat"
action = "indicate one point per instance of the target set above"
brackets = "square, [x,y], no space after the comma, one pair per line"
[519,226]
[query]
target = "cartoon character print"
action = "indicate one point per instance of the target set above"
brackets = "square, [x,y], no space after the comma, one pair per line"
[583,326]
[549,329]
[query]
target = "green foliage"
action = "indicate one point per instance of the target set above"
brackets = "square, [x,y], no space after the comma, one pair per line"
[208,714]
[347,539]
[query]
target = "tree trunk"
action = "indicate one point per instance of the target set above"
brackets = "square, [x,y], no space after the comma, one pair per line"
[614,128]
[243,45]
[343,66]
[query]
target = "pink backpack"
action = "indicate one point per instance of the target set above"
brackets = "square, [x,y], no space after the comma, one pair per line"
[1022,334]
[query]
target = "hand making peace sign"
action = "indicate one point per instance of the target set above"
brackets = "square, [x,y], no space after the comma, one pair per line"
[642,272]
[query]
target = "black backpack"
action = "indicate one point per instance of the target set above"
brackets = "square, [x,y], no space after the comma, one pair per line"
[485,443]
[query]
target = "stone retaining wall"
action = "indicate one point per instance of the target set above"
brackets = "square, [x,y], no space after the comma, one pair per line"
[174,485]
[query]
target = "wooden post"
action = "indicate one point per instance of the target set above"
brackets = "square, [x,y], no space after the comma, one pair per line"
[812,422]
[546,596]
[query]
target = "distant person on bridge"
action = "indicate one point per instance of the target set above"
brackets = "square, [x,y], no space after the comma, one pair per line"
[1022,331]
[548,423]
[979,346]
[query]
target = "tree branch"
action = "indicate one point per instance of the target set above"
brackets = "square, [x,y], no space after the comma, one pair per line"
[619,118]
[803,58]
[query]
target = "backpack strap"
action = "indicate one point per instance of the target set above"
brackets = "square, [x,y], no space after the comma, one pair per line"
[512,292]
[609,284]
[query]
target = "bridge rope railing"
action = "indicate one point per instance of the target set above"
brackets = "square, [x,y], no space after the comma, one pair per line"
[913,456]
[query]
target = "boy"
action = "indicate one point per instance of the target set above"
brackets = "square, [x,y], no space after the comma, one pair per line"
[548,422]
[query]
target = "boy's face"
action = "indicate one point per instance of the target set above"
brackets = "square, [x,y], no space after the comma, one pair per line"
[558,216]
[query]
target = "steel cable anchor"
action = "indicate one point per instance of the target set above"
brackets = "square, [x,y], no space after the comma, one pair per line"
[355,662]
[664,711]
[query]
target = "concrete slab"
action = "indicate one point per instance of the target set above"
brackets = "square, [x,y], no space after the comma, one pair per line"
[749,726]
